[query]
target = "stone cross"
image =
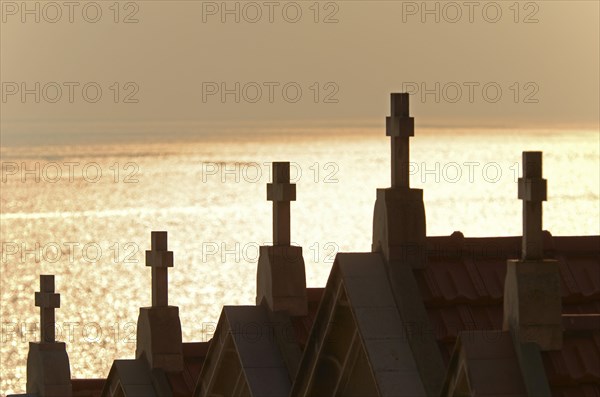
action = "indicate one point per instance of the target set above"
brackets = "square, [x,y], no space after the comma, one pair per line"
[160,259]
[532,190]
[47,300]
[400,126]
[281,192]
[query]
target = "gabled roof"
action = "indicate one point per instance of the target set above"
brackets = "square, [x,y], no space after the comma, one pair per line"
[484,367]
[463,284]
[129,378]
[183,383]
[478,267]
[574,371]
[462,288]
[244,358]
[303,324]
[357,344]
[134,378]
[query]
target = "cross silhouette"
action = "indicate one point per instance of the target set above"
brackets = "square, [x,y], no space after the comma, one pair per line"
[160,259]
[532,189]
[47,300]
[400,126]
[281,192]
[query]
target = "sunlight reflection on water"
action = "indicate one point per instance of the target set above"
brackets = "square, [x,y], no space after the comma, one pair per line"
[216,221]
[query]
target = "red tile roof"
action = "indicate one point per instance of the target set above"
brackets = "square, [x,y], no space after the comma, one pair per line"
[183,383]
[575,369]
[87,387]
[462,288]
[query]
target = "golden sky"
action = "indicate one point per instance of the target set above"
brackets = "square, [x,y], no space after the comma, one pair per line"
[499,64]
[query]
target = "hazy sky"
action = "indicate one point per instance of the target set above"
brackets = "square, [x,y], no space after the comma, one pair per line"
[484,63]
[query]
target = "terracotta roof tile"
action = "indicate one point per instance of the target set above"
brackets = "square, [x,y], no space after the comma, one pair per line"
[585,390]
[462,287]
[472,270]
[450,281]
[183,383]
[87,387]
[578,361]
[463,284]
[585,280]
[581,322]
[492,277]
[448,322]
[578,245]
[581,307]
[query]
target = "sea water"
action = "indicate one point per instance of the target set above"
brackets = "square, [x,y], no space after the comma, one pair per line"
[84,212]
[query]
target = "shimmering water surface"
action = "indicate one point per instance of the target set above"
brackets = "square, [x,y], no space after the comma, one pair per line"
[211,198]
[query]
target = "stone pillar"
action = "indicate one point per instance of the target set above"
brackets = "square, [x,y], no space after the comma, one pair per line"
[159,338]
[532,296]
[281,278]
[48,369]
[399,229]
